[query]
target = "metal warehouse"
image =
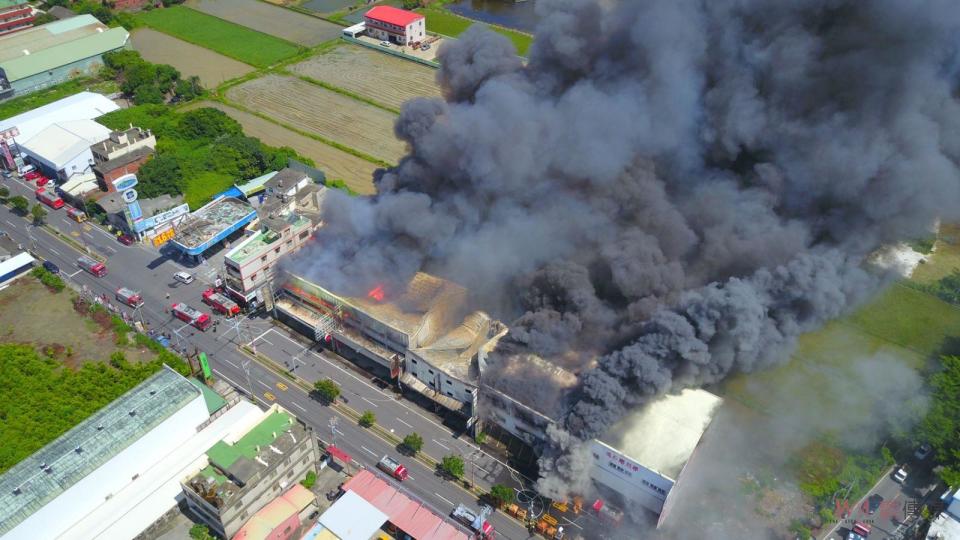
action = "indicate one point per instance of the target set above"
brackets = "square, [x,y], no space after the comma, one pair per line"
[52,53]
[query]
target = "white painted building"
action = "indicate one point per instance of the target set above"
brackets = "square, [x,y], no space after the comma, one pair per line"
[395,25]
[118,471]
[80,106]
[62,150]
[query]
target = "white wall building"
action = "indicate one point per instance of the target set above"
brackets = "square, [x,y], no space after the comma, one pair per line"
[118,471]
[80,106]
[395,25]
[62,150]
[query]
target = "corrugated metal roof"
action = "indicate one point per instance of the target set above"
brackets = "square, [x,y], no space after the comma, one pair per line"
[352,518]
[64,53]
[411,516]
[45,36]
[80,106]
[11,3]
[64,141]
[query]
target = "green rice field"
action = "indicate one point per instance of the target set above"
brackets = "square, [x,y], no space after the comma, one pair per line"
[229,39]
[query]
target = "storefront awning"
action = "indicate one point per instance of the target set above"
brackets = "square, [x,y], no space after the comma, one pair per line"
[439,398]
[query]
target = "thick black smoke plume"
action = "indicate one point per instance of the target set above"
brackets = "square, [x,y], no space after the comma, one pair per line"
[669,190]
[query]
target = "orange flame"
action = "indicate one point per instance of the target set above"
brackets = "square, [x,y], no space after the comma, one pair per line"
[376,293]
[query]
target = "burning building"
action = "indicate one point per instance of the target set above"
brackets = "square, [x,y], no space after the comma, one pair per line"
[423,336]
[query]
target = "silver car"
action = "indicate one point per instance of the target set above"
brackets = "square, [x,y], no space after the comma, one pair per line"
[183,277]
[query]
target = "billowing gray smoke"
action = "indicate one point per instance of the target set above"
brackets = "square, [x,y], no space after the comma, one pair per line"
[671,189]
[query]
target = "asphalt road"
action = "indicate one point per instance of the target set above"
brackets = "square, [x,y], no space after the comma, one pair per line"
[144,269]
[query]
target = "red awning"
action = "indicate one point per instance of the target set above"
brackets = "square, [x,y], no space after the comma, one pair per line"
[598,505]
[339,454]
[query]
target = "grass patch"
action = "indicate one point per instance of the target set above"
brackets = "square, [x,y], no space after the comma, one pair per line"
[201,188]
[229,39]
[450,24]
[43,97]
[909,318]
[944,259]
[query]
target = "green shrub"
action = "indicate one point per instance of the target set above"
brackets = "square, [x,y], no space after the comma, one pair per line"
[368,419]
[309,480]
[52,281]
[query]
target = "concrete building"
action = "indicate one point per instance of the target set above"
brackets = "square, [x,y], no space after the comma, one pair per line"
[946,525]
[244,472]
[395,25]
[212,224]
[286,218]
[122,153]
[423,336]
[283,518]
[55,52]
[15,15]
[80,106]
[115,473]
[121,143]
[62,150]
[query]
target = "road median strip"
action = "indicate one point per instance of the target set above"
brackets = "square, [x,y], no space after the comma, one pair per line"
[352,413]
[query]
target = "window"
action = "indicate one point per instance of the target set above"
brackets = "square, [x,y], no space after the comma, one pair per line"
[263,259]
[414,361]
[448,381]
[304,235]
[431,371]
[276,251]
[305,459]
[450,393]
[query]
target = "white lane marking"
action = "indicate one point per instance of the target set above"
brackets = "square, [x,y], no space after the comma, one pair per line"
[368,451]
[404,423]
[370,402]
[297,405]
[57,253]
[260,336]
[442,497]
[75,273]
[8,222]
[440,443]
[267,342]
[482,469]
[412,479]
[239,387]
[231,363]
[265,384]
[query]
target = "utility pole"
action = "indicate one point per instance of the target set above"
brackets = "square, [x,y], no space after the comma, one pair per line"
[246,369]
[333,430]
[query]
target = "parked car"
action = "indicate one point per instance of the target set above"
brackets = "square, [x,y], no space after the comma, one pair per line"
[425,47]
[50,267]
[384,43]
[923,452]
[31,175]
[900,475]
[125,239]
[873,503]
[183,277]
[7,174]
[42,181]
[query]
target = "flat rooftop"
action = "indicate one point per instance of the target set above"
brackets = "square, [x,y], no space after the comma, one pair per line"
[244,459]
[663,435]
[56,467]
[261,241]
[212,221]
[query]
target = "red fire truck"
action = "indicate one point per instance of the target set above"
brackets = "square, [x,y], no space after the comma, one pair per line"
[130,298]
[393,468]
[93,266]
[49,198]
[220,303]
[187,314]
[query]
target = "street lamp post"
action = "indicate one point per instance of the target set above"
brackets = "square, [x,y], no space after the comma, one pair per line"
[333,430]
[246,369]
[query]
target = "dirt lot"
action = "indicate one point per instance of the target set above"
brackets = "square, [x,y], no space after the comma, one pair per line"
[272,20]
[212,68]
[371,74]
[356,172]
[29,313]
[331,115]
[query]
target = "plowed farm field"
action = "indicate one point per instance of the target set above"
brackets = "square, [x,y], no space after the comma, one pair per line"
[380,77]
[337,164]
[189,59]
[273,20]
[333,116]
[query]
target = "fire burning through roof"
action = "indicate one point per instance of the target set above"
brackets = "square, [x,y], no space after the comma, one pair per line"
[376,293]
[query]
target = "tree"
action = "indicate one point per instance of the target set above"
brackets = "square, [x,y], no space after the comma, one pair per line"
[188,88]
[941,425]
[309,480]
[200,532]
[148,93]
[4,192]
[368,419]
[413,442]
[20,203]
[501,494]
[160,175]
[207,124]
[327,389]
[38,213]
[452,465]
